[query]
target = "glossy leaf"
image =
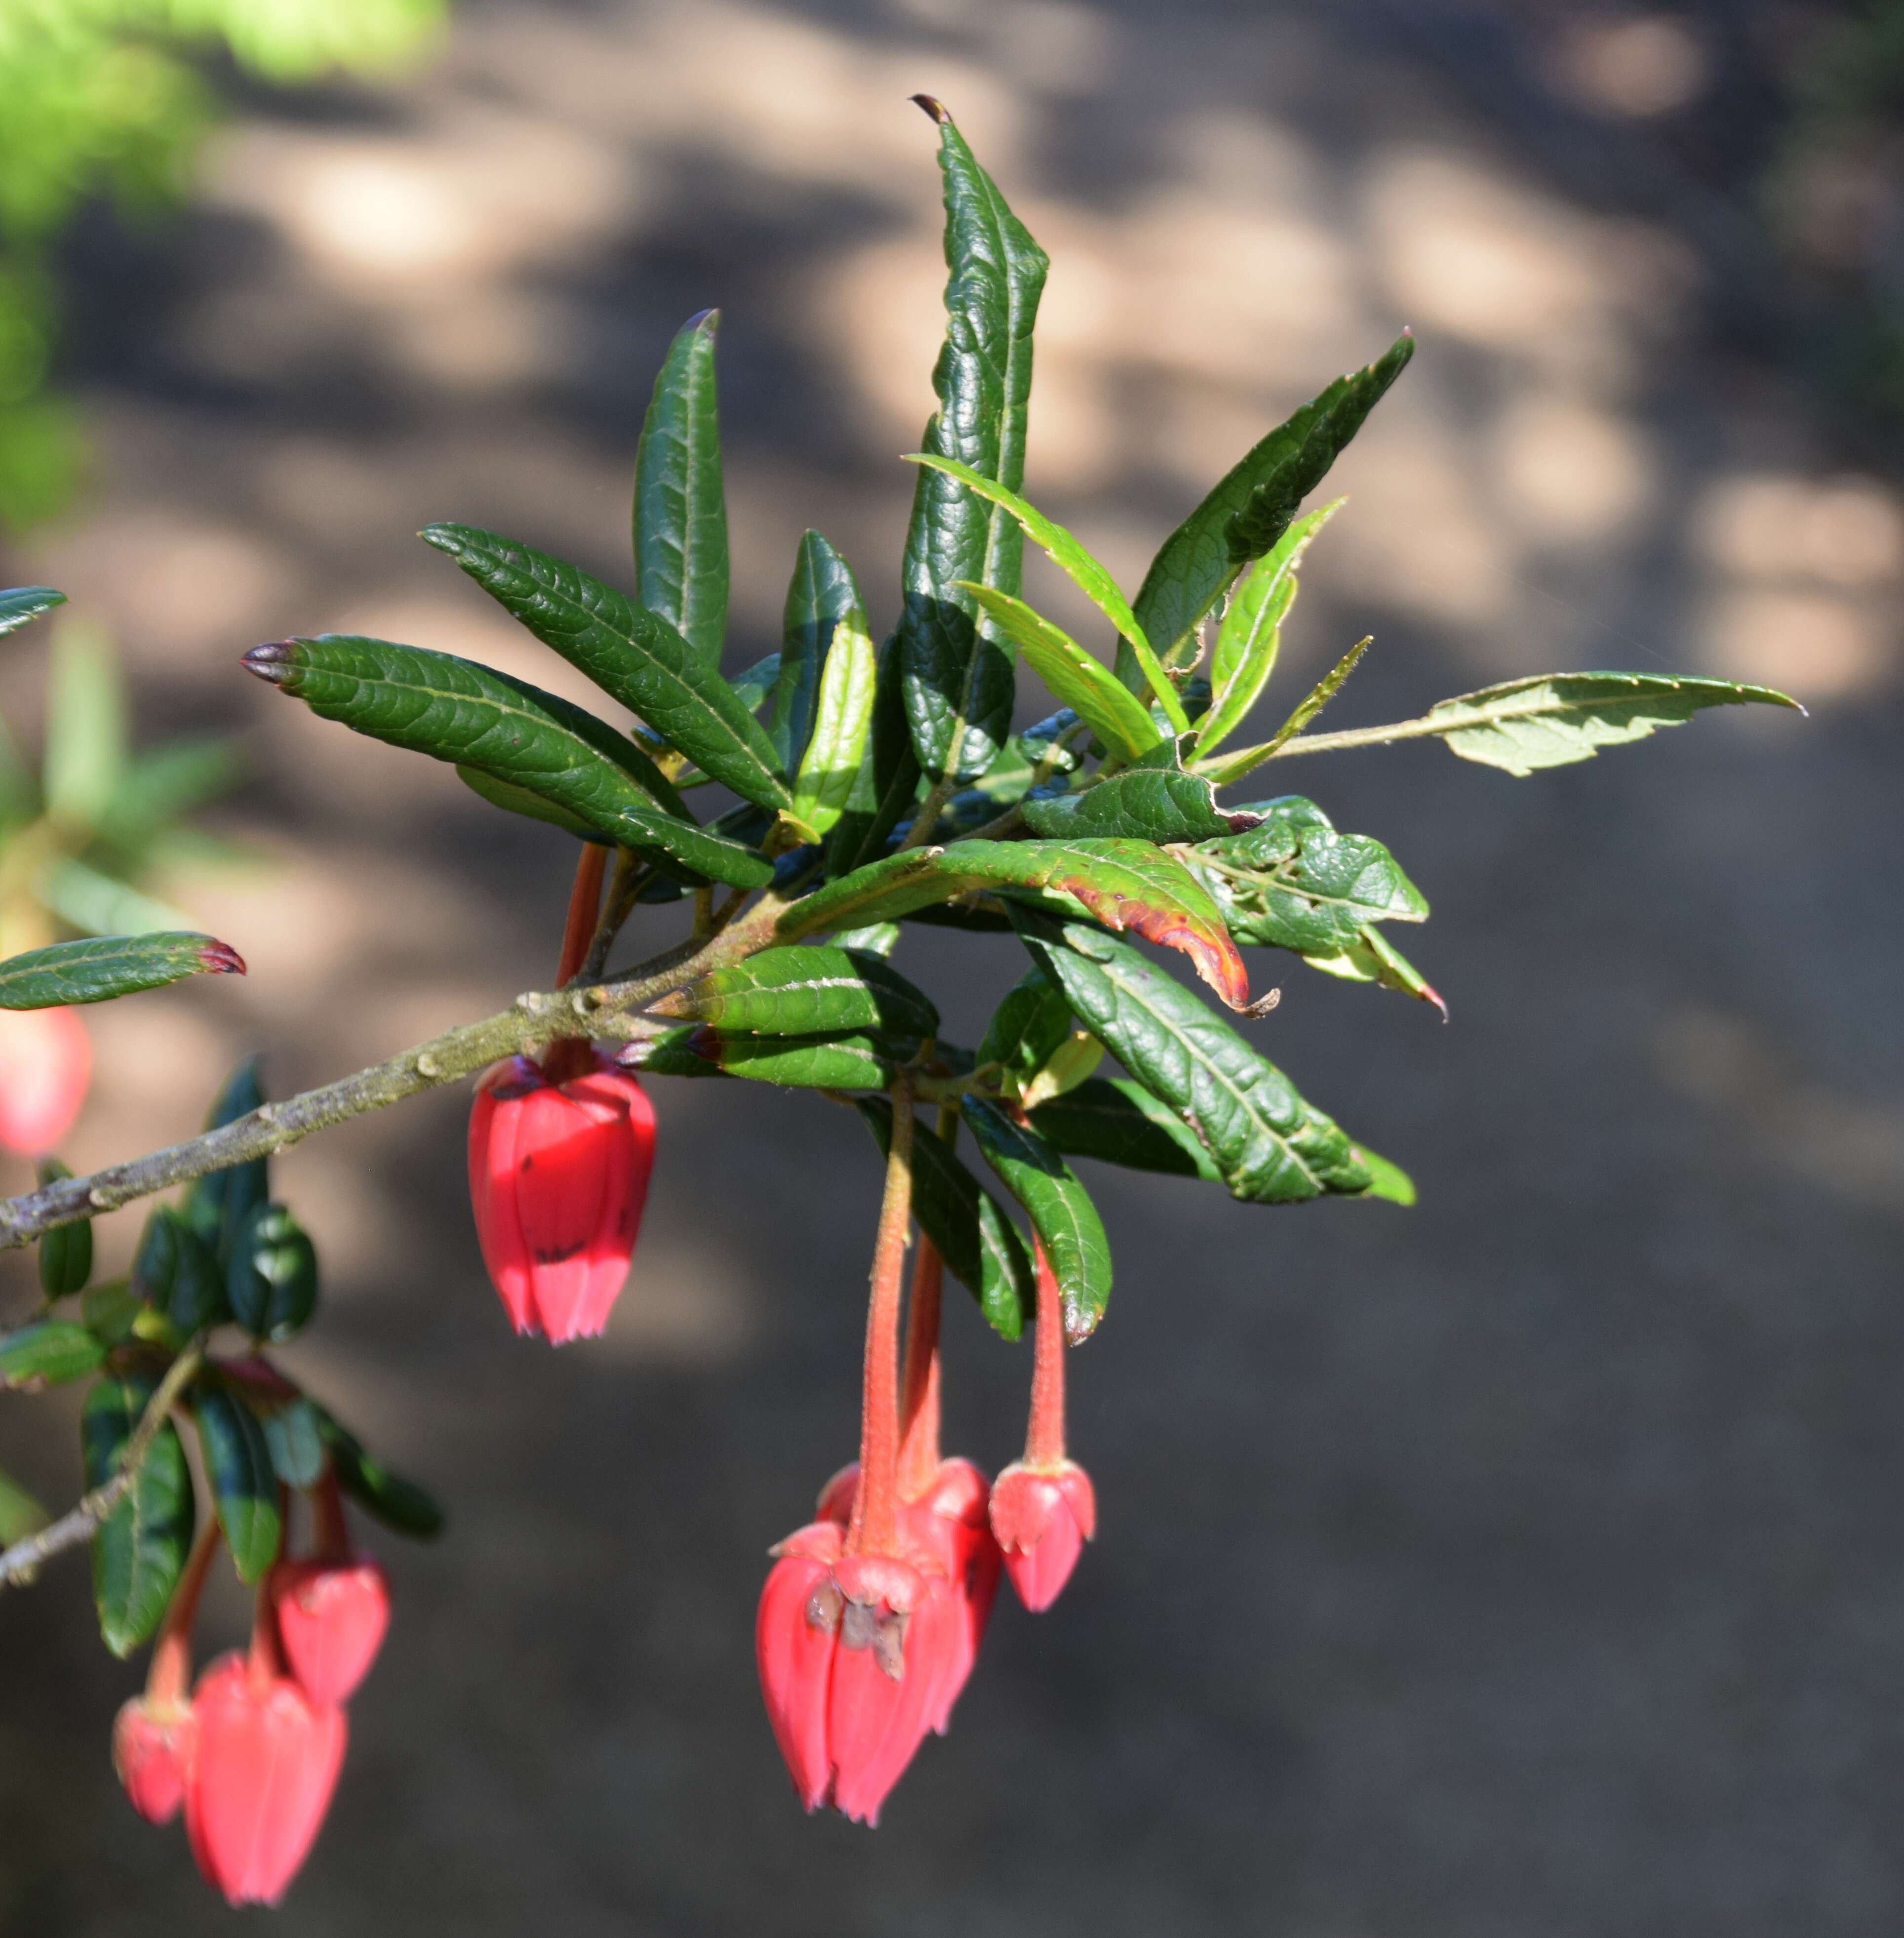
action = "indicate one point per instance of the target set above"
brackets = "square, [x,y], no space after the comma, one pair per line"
[958,683]
[1267,1144]
[1371,958]
[271,1276]
[20,603]
[1082,682]
[65,1253]
[845,1063]
[1253,505]
[1289,885]
[681,511]
[980,1246]
[1079,566]
[139,1548]
[754,686]
[1152,799]
[1061,1211]
[244,1482]
[400,1504]
[1125,885]
[804,991]
[457,711]
[295,1436]
[1389,1180]
[217,1204]
[843,721]
[177,1272]
[514,799]
[1032,1020]
[889,775]
[1118,1121]
[822,592]
[98,969]
[48,1353]
[632,654]
[85,744]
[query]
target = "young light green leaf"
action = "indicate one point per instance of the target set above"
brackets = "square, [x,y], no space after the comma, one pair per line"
[139,1548]
[1372,957]
[99,968]
[1152,800]
[878,938]
[399,1504]
[1079,566]
[632,654]
[100,904]
[170,781]
[889,776]
[1072,1062]
[86,727]
[1391,1181]
[805,992]
[1268,1145]
[1061,1211]
[244,1482]
[1118,1121]
[48,1353]
[958,683]
[842,720]
[1251,634]
[454,710]
[217,1204]
[1252,506]
[681,511]
[1225,771]
[1083,683]
[980,1246]
[20,603]
[822,592]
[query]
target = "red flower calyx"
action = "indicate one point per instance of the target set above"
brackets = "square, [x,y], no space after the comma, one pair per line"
[153,1734]
[332,1608]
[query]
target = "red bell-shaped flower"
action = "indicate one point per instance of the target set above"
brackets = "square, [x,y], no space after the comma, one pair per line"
[558,1175]
[151,1753]
[1041,1521]
[262,1775]
[332,1615]
[46,1062]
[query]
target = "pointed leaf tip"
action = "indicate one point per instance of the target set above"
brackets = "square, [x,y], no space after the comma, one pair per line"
[220,959]
[271,661]
[708,319]
[935,109]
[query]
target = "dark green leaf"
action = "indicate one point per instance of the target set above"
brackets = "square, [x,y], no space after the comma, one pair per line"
[177,1272]
[806,991]
[217,1204]
[1269,1145]
[514,799]
[680,513]
[295,1436]
[630,653]
[454,710]
[980,1246]
[139,1548]
[1249,510]
[853,1062]
[271,1278]
[1152,800]
[758,682]
[101,967]
[1061,1211]
[1111,1118]
[48,1353]
[822,593]
[19,603]
[958,683]
[244,1482]
[1306,889]
[110,1311]
[65,1259]
[1029,1024]
[399,1504]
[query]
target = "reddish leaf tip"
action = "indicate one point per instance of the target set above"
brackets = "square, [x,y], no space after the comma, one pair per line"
[271,661]
[220,959]
[936,109]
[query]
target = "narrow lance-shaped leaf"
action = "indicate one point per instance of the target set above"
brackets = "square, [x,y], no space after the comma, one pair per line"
[399,1504]
[101,967]
[20,603]
[632,654]
[65,1253]
[681,512]
[1372,957]
[1031,1022]
[854,1061]
[294,1435]
[244,1481]
[86,744]
[1225,772]
[514,799]
[1061,1211]
[1154,799]
[889,774]
[1253,504]
[758,682]
[1118,1121]
[48,1353]
[1079,566]
[842,721]
[822,592]
[454,710]
[139,1548]
[958,683]
[800,990]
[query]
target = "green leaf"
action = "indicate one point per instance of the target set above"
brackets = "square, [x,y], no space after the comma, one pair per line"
[295,1436]
[110,1311]
[20,1514]
[244,1482]
[842,721]
[980,1246]
[65,1253]
[1118,1121]
[86,727]
[1029,1024]
[1248,511]
[1152,799]
[168,782]
[139,1548]
[681,514]
[1079,566]
[1286,885]
[632,654]
[1555,718]
[48,1353]
[454,710]
[849,1062]
[1391,1181]
[271,1277]
[1230,768]
[1061,1211]
[514,799]
[759,681]
[806,991]
[888,781]
[177,1272]
[822,592]
[399,1504]
[97,969]
[217,1204]
[879,938]
[1125,885]
[1268,1145]
[958,683]
[98,904]
[1371,957]
[1083,683]
[1251,634]
[19,603]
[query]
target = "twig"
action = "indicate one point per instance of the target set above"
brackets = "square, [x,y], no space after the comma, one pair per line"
[18,1562]
[927,818]
[623,888]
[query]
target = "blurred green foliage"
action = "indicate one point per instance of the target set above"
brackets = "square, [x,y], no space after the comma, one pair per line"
[109,98]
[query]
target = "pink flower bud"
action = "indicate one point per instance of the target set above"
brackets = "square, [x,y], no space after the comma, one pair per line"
[46,1062]
[1040,1520]
[853,1650]
[262,1775]
[558,1175]
[331,1617]
[152,1753]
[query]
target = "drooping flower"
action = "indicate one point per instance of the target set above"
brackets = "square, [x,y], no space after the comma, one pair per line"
[46,1062]
[333,1608]
[558,1176]
[151,1753]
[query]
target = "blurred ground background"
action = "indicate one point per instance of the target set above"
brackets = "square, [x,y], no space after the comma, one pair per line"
[1526,1563]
